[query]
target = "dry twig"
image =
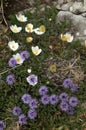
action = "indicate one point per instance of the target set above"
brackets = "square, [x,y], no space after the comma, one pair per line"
[2,11]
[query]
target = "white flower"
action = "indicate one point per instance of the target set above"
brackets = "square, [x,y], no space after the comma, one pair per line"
[29,28]
[13,45]
[21,18]
[36,51]
[15,29]
[69,37]
[40,30]
[29,70]
[63,37]
[18,58]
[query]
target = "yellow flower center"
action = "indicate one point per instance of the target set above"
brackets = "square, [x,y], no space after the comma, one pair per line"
[21,18]
[29,28]
[18,59]
[64,38]
[35,52]
[15,30]
[42,28]
[13,46]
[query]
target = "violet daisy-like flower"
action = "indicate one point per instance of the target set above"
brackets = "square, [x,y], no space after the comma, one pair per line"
[12,62]
[45,99]
[25,55]
[63,96]
[32,114]
[17,111]
[2,125]
[10,79]
[70,110]
[53,99]
[73,101]
[32,79]
[26,98]
[74,88]
[67,83]
[43,90]
[64,106]
[22,119]
[33,103]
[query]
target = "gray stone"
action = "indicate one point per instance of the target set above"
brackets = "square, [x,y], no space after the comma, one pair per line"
[75,7]
[84,14]
[78,21]
[67,6]
[60,2]
[78,7]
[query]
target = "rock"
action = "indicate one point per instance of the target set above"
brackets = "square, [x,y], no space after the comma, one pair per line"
[78,21]
[60,2]
[83,14]
[75,7]
[67,6]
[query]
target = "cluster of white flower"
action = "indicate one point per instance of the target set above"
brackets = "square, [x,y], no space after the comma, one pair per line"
[29,29]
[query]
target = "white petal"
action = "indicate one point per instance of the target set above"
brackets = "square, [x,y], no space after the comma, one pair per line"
[13,45]
[15,29]
[38,32]
[21,18]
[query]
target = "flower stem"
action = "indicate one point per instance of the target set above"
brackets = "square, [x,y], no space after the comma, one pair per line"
[9,69]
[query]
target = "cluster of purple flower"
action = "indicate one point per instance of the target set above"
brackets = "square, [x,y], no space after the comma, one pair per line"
[24,55]
[45,98]
[2,125]
[32,114]
[17,112]
[67,103]
[33,104]
[68,83]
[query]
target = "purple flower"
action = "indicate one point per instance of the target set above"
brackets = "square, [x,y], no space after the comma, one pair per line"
[67,83]
[33,103]
[32,114]
[45,99]
[32,79]
[43,90]
[2,125]
[25,55]
[53,99]
[63,96]
[70,110]
[74,88]
[73,101]
[12,62]
[22,119]
[64,106]
[17,111]
[26,98]
[10,79]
